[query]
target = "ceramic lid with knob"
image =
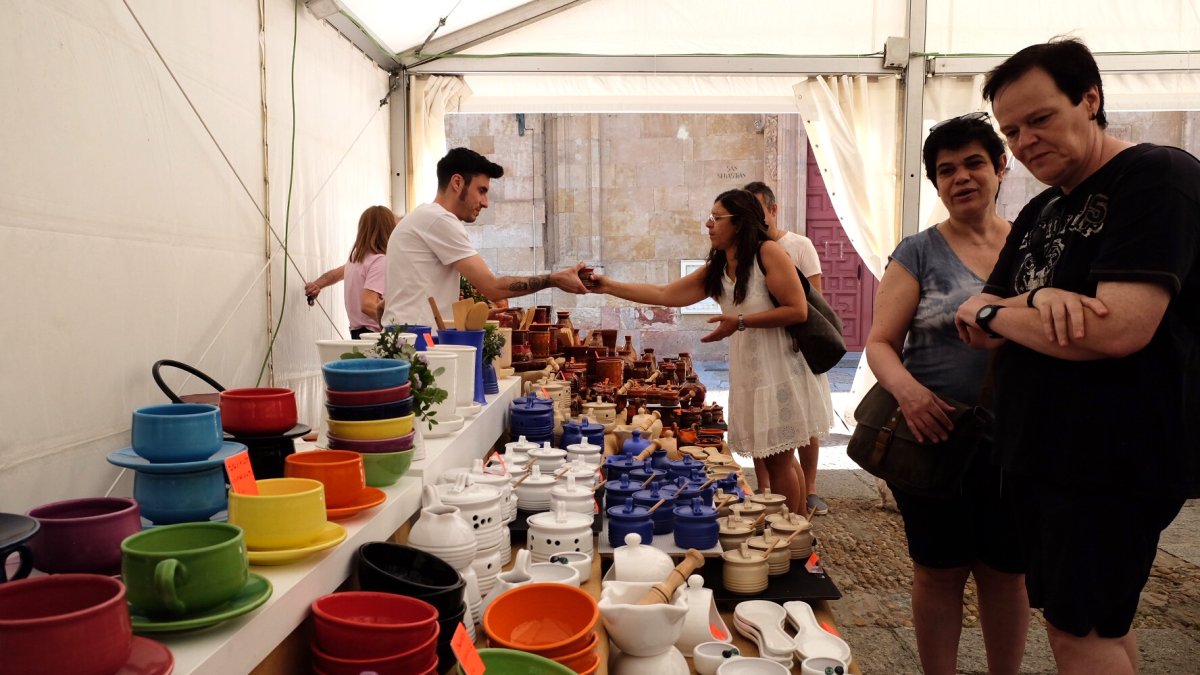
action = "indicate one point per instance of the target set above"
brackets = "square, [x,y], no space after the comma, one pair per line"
[466,494]
[764,542]
[477,474]
[636,561]
[695,510]
[744,555]
[584,448]
[535,479]
[788,521]
[766,498]
[571,490]
[521,445]
[585,427]
[735,525]
[628,511]
[748,510]
[581,470]
[560,520]
[547,452]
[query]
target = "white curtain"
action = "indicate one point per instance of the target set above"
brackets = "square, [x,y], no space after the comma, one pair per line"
[851,123]
[430,98]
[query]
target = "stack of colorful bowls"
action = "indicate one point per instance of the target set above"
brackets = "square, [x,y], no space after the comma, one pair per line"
[555,621]
[178,454]
[370,407]
[403,570]
[361,631]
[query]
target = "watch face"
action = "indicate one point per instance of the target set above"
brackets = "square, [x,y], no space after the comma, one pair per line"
[987,313]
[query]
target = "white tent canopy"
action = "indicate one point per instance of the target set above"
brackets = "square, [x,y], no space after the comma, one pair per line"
[157,160]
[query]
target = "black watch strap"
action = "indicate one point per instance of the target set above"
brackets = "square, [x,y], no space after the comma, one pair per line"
[983,319]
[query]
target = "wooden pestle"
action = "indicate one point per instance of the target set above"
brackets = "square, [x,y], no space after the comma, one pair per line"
[645,454]
[663,591]
[437,315]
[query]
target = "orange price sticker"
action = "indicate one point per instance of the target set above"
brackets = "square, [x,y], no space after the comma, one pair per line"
[545,394]
[464,650]
[428,339]
[241,474]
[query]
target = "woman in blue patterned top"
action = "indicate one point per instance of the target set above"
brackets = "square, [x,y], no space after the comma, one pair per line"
[915,352]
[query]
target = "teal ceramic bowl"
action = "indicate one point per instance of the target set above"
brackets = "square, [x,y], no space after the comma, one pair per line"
[365,374]
[513,662]
[385,468]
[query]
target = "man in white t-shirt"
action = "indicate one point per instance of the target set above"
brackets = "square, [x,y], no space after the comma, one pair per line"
[804,254]
[429,250]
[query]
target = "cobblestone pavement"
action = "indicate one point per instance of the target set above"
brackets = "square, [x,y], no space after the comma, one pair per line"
[864,549]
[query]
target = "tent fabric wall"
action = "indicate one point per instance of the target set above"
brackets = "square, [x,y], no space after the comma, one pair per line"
[129,238]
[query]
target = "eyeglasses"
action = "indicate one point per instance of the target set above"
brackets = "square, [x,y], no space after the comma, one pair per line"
[977,116]
[713,218]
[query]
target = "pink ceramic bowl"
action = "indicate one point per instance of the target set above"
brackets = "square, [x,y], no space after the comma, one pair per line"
[65,623]
[370,625]
[369,397]
[398,444]
[83,535]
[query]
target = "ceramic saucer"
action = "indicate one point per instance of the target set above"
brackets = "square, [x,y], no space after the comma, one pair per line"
[15,528]
[128,459]
[332,535]
[254,593]
[221,516]
[469,410]
[294,432]
[444,427]
[369,498]
[148,657]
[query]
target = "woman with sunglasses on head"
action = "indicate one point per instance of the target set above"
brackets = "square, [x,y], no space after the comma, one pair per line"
[916,354]
[775,400]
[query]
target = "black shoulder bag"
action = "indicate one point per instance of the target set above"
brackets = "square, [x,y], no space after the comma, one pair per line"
[819,339]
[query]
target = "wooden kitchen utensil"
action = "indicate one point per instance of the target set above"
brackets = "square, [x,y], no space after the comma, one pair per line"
[437,315]
[663,591]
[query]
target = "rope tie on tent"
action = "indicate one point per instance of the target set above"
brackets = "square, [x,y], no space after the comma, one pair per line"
[440,24]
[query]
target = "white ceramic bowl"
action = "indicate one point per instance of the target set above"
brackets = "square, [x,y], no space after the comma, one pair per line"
[752,665]
[582,562]
[708,656]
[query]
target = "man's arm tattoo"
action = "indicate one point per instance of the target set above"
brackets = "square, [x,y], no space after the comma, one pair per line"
[530,284]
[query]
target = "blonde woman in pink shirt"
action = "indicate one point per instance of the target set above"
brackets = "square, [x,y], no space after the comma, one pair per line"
[365,273]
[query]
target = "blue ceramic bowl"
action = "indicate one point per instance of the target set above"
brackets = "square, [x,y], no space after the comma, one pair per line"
[378,411]
[365,374]
[177,432]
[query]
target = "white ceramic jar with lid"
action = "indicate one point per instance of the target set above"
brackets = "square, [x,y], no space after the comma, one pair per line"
[480,506]
[548,458]
[558,530]
[533,489]
[577,497]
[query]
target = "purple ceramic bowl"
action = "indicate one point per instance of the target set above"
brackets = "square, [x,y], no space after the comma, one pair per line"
[83,535]
[397,444]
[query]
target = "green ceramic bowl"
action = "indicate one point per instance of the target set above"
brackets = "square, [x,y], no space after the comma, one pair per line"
[385,468]
[513,662]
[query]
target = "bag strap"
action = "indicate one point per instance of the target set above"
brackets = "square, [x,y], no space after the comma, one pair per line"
[761,268]
[883,440]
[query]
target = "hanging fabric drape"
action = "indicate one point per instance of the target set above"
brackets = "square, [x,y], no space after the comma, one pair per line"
[429,100]
[851,124]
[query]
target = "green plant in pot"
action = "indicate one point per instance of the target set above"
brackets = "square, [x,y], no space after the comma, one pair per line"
[493,345]
[425,395]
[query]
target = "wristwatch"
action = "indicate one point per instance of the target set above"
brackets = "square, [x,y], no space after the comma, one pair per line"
[983,319]
[741,322]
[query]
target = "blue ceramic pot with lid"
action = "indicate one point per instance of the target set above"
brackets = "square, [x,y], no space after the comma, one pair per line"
[626,518]
[616,491]
[664,519]
[684,467]
[635,445]
[696,525]
[644,470]
[616,466]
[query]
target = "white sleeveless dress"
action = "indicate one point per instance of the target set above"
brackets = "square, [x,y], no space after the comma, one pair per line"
[776,403]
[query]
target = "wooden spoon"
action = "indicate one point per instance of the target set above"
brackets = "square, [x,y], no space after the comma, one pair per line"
[460,313]
[476,316]
[437,315]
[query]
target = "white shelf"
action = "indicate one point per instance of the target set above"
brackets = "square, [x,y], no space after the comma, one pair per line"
[239,645]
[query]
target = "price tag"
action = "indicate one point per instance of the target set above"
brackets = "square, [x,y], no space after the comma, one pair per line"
[545,394]
[428,339]
[464,649]
[241,474]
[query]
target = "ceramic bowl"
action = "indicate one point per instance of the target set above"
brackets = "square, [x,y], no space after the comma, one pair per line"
[636,629]
[333,350]
[340,471]
[64,623]
[369,397]
[580,561]
[365,374]
[376,411]
[413,660]
[371,430]
[367,625]
[513,662]
[819,665]
[547,619]
[398,444]
[396,568]
[83,535]
[708,656]
[177,432]
[752,665]
[264,411]
[385,468]
[553,573]
[286,513]
[584,659]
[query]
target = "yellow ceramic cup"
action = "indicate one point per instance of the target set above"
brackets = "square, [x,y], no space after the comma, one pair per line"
[286,513]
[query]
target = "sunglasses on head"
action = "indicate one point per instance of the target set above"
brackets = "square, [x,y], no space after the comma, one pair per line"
[978,115]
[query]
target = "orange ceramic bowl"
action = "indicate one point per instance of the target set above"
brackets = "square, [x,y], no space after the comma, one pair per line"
[544,618]
[583,659]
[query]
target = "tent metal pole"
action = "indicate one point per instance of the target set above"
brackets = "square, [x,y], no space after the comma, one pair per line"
[654,65]
[914,96]
[398,141]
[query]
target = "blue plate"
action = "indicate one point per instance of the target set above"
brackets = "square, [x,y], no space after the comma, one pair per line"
[127,458]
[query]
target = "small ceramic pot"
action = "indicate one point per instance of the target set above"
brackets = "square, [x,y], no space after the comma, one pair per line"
[734,530]
[787,524]
[696,525]
[441,531]
[480,507]
[575,497]
[663,517]
[548,459]
[708,656]
[579,561]
[559,530]
[533,491]
[772,503]
[779,561]
[745,571]
[627,519]
[637,560]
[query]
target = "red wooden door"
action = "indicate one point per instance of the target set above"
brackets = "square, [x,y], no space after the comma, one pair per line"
[848,286]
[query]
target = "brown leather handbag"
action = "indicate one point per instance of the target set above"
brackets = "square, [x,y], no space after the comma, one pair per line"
[883,444]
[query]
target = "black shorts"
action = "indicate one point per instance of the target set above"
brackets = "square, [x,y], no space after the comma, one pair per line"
[958,532]
[1090,553]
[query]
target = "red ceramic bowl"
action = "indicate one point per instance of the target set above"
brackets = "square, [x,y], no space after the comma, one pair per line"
[397,444]
[415,660]
[369,397]
[64,623]
[258,411]
[544,618]
[370,625]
